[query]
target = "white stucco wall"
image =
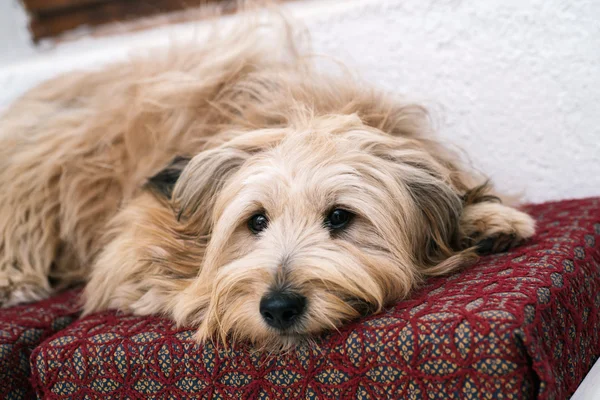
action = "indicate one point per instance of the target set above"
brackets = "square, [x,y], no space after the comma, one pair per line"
[514,83]
[14,37]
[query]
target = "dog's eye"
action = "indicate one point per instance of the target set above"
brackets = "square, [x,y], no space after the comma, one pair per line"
[258,223]
[338,218]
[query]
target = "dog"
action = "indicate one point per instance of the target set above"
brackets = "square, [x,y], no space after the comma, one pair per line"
[235,187]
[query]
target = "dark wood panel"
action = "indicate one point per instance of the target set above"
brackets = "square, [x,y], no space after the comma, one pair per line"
[52,24]
[45,6]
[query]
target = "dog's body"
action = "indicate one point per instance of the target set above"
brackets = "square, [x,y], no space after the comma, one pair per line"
[233,189]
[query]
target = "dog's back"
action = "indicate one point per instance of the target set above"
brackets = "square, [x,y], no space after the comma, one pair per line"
[78,147]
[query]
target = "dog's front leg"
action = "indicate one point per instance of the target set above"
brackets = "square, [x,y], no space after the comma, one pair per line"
[28,243]
[494,227]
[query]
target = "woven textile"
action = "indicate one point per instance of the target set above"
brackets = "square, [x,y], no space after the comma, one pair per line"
[24,327]
[515,325]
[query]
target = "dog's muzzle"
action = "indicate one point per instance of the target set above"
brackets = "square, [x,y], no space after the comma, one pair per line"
[282,310]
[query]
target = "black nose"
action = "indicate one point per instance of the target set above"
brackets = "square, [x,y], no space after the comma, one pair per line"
[282,310]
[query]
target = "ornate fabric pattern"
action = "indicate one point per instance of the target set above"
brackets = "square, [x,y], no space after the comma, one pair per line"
[22,328]
[515,325]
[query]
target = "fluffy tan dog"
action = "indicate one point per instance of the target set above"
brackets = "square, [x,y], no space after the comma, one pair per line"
[233,187]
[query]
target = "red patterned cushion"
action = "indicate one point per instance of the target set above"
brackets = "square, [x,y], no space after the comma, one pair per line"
[514,325]
[24,327]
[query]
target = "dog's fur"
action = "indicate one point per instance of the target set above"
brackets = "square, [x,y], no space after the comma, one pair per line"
[141,178]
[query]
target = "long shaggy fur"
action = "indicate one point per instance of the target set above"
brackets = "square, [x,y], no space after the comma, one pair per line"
[140,178]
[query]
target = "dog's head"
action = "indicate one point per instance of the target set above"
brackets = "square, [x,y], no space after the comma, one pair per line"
[311,226]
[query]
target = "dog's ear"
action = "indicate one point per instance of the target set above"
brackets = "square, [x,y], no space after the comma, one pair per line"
[431,183]
[164,182]
[439,239]
[207,173]
[196,189]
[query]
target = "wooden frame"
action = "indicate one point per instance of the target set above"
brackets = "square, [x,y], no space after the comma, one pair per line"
[49,18]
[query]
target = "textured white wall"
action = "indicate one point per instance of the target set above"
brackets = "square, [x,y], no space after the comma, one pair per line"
[14,37]
[516,84]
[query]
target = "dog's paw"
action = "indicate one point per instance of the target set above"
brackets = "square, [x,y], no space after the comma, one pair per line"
[15,292]
[497,244]
[494,228]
